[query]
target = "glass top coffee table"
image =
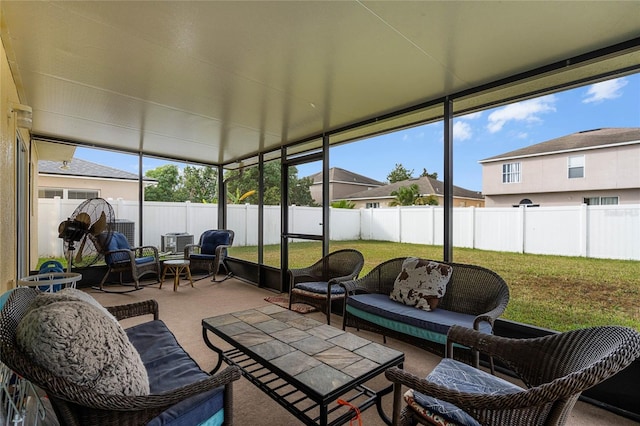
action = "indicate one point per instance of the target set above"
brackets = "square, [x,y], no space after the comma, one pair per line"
[303,364]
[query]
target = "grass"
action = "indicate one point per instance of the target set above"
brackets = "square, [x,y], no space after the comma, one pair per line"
[555,292]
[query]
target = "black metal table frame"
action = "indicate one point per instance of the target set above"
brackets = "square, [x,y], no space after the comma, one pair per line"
[258,370]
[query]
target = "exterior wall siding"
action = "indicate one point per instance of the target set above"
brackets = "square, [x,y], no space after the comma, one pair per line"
[611,171]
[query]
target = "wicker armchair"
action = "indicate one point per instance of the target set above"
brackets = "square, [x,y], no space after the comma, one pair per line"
[121,258]
[77,405]
[555,370]
[316,285]
[210,252]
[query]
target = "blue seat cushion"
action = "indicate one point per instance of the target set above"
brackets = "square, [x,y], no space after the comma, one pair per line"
[319,287]
[433,325]
[170,367]
[117,242]
[210,240]
[461,377]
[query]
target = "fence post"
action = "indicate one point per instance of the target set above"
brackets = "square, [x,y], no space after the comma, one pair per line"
[583,213]
[187,217]
[399,211]
[522,234]
[59,248]
[473,227]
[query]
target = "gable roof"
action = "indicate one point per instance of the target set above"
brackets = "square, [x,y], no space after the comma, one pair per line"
[336,174]
[426,185]
[587,139]
[83,168]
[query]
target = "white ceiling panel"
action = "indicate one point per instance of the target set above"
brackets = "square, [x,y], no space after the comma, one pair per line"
[218,81]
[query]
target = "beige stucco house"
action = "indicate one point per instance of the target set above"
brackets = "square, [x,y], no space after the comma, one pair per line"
[381,196]
[80,179]
[341,183]
[592,167]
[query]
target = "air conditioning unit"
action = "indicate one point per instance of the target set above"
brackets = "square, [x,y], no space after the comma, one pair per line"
[175,242]
[128,228]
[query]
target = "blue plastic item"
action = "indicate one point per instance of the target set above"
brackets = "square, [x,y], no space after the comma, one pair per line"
[50,266]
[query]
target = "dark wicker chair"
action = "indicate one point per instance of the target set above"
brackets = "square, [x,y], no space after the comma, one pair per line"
[316,285]
[210,252]
[122,258]
[472,290]
[555,370]
[76,405]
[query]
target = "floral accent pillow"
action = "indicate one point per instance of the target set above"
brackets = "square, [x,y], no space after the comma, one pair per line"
[421,283]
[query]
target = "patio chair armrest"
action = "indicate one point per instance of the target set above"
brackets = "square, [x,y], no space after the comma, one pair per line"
[190,248]
[143,251]
[295,274]
[219,250]
[338,280]
[487,344]
[146,307]
[351,287]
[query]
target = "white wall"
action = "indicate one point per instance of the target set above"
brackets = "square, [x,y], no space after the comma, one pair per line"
[591,231]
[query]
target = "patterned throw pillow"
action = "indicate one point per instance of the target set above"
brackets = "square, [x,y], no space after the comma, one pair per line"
[421,283]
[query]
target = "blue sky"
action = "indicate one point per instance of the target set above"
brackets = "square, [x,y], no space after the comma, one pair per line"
[612,103]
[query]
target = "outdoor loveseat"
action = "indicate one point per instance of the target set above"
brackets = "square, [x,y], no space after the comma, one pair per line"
[96,373]
[474,298]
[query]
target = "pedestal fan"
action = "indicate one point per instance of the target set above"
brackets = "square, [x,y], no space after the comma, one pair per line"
[91,225]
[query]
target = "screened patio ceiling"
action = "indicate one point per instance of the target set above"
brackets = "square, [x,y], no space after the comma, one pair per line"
[219,82]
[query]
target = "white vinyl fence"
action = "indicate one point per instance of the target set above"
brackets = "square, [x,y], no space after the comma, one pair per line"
[590,231]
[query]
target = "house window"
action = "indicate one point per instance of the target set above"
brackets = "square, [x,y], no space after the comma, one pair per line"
[50,192]
[81,194]
[576,166]
[373,205]
[511,173]
[601,201]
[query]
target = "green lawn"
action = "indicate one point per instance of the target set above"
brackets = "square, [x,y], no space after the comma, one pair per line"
[555,292]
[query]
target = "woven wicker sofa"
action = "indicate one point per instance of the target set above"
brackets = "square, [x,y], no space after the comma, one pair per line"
[179,392]
[474,298]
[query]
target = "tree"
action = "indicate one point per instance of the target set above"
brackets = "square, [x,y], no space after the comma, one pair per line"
[405,195]
[200,184]
[399,173]
[242,183]
[168,184]
[425,173]
[430,200]
[343,204]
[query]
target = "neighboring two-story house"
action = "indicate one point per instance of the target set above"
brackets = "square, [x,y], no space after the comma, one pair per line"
[592,167]
[427,186]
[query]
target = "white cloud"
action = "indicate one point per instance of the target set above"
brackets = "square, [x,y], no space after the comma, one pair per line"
[527,111]
[461,130]
[472,116]
[605,90]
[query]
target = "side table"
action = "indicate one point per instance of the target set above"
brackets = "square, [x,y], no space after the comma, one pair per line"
[177,267]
